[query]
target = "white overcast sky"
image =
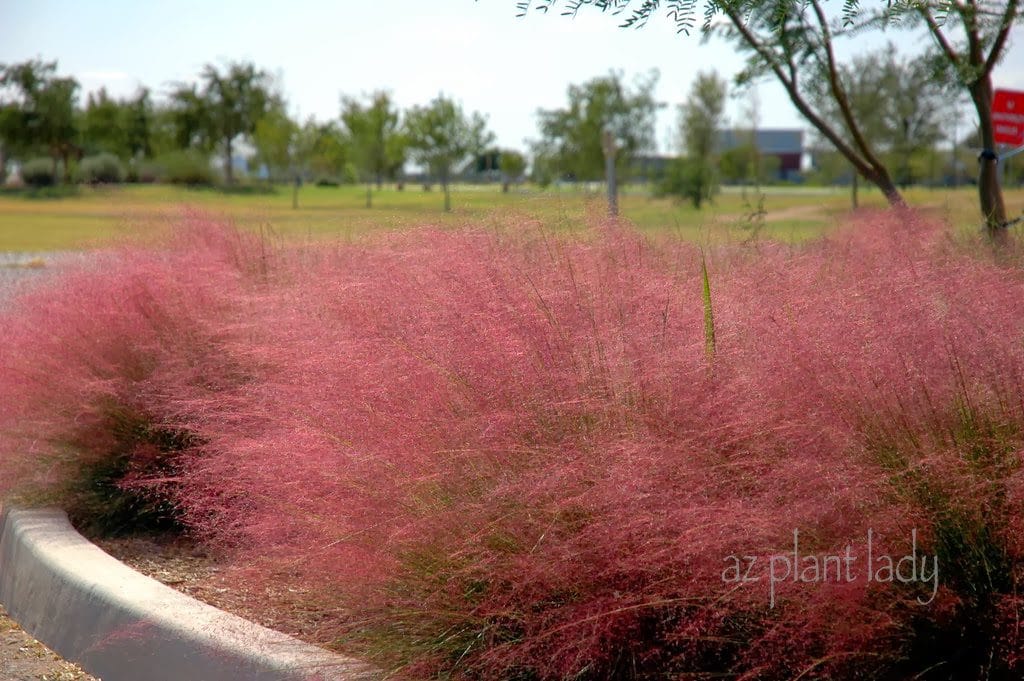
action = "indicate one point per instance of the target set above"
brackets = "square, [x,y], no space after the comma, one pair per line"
[477,52]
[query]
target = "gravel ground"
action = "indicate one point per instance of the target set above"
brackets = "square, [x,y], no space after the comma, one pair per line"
[19,271]
[22,658]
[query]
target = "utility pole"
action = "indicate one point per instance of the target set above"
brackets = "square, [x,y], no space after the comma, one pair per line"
[952,151]
[610,148]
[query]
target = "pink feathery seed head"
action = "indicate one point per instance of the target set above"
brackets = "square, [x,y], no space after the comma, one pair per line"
[517,446]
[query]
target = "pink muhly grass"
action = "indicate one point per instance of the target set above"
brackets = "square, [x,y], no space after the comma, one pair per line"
[511,455]
[93,362]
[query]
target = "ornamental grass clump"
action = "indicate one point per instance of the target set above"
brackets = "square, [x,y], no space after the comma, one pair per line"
[515,455]
[94,364]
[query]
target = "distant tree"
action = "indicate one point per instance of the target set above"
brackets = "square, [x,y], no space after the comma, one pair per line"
[103,125]
[828,166]
[276,140]
[189,118]
[512,165]
[918,116]
[700,119]
[234,101]
[791,40]
[571,137]
[164,127]
[543,167]
[441,137]
[488,162]
[58,130]
[795,42]
[20,85]
[377,143]
[739,163]
[751,116]
[322,152]
[37,112]
[688,179]
[138,124]
[900,107]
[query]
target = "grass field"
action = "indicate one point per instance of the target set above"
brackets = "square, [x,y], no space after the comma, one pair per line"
[96,216]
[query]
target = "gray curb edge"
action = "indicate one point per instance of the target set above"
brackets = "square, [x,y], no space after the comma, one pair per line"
[121,625]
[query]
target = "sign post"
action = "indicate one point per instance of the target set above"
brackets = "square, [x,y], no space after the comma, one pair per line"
[1008,124]
[1008,117]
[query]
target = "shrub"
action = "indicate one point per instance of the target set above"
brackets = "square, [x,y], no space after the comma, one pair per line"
[101,169]
[148,171]
[508,455]
[38,173]
[689,179]
[190,168]
[246,189]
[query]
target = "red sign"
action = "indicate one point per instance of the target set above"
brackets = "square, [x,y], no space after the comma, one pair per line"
[1008,117]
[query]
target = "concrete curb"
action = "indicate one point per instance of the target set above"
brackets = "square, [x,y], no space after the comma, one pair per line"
[121,625]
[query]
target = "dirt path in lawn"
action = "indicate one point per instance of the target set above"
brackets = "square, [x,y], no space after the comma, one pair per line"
[820,212]
[813,212]
[810,213]
[22,658]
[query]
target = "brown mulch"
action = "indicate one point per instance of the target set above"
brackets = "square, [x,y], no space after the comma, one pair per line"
[189,569]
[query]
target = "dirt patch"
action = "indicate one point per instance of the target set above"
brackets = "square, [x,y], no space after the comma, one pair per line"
[812,212]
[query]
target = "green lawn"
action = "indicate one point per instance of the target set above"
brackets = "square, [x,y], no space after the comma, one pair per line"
[96,216]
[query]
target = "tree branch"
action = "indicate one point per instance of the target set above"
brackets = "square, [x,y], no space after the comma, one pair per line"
[1004,31]
[940,37]
[968,14]
[836,85]
[831,135]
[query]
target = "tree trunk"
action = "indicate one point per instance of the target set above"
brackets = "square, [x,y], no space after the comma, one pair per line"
[880,178]
[229,175]
[610,149]
[989,190]
[991,195]
[369,196]
[380,181]
[65,156]
[504,186]
[447,196]
[53,167]
[853,189]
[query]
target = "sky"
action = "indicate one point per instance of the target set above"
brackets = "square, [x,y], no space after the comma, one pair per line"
[478,52]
